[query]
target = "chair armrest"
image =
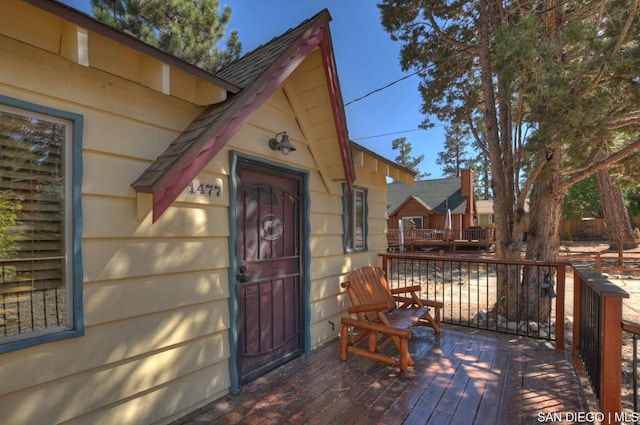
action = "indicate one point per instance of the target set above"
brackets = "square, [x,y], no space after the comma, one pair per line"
[434,304]
[377,327]
[414,299]
[413,288]
[365,308]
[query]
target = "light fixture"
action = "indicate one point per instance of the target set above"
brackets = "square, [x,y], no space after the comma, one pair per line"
[284,145]
[546,289]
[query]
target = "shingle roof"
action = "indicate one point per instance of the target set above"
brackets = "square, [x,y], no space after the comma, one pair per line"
[437,195]
[245,70]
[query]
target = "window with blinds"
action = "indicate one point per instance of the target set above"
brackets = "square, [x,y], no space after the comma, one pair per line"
[355,219]
[35,197]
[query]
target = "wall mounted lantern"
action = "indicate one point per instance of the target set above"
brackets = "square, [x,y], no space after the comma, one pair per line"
[284,145]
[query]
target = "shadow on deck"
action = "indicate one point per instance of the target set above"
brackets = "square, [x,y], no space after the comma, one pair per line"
[458,378]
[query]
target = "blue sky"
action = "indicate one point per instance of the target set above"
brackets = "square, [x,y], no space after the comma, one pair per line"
[367,59]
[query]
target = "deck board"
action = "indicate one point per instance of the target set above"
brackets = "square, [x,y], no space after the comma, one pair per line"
[458,378]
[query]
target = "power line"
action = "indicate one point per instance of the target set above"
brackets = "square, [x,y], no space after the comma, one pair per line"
[384,87]
[387,134]
[432,64]
[396,132]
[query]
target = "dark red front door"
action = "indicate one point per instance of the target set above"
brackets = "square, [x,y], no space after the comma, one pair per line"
[269,284]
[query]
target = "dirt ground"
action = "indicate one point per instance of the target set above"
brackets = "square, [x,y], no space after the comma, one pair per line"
[629,281]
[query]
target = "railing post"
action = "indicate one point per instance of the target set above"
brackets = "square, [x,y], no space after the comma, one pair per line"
[599,349]
[611,402]
[560,290]
[576,321]
[620,259]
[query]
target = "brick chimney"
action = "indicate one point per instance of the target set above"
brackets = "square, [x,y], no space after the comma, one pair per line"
[466,189]
[466,182]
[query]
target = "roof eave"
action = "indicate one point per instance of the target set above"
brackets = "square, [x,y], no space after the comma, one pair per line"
[85,21]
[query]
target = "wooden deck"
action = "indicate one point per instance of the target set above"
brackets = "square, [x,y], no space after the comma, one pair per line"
[449,240]
[459,378]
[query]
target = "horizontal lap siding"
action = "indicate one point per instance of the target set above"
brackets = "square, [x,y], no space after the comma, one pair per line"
[156,295]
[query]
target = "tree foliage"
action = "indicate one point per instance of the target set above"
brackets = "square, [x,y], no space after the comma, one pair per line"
[188,29]
[455,155]
[10,207]
[554,84]
[461,151]
[482,176]
[405,159]
[582,200]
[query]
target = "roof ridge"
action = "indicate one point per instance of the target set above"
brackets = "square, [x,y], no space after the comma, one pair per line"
[291,29]
[245,69]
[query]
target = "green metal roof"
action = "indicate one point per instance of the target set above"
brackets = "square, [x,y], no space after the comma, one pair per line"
[437,195]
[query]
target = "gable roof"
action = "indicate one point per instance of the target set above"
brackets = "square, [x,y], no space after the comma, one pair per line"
[436,195]
[259,74]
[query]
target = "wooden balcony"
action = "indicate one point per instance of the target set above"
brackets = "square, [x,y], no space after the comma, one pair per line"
[461,377]
[450,240]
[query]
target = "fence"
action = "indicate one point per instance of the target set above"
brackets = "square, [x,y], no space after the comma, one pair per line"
[470,288]
[620,261]
[589,228]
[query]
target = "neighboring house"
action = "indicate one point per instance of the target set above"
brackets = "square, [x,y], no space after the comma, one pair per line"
[486,216]
[425,203]
[162,253]
[484,208]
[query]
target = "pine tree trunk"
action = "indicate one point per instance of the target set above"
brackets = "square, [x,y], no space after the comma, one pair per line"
[543,242]
[510,225]
[615,213]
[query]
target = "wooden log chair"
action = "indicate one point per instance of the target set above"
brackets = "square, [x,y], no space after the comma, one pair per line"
[384,315]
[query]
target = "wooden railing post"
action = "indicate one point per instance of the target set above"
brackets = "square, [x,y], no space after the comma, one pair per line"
[576,322]
[560,289]
[599,302]
[611,401]
[575,337]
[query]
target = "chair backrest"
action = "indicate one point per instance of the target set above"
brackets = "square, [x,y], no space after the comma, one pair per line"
[368,285]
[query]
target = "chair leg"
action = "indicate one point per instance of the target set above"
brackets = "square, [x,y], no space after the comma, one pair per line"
[431,321]
[344,342]
[405,358]
[404,352]
[373,343]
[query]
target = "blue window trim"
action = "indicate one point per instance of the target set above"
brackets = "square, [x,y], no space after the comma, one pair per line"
[345,219]
[77,323]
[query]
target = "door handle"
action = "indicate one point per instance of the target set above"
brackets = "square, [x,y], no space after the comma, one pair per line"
[242,274]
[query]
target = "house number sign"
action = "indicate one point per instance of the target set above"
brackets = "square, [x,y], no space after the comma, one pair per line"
[211,189]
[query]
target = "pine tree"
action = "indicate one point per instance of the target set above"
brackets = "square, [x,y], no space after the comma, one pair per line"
[455,156]
[554,84]
[187,29]
[405,159]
